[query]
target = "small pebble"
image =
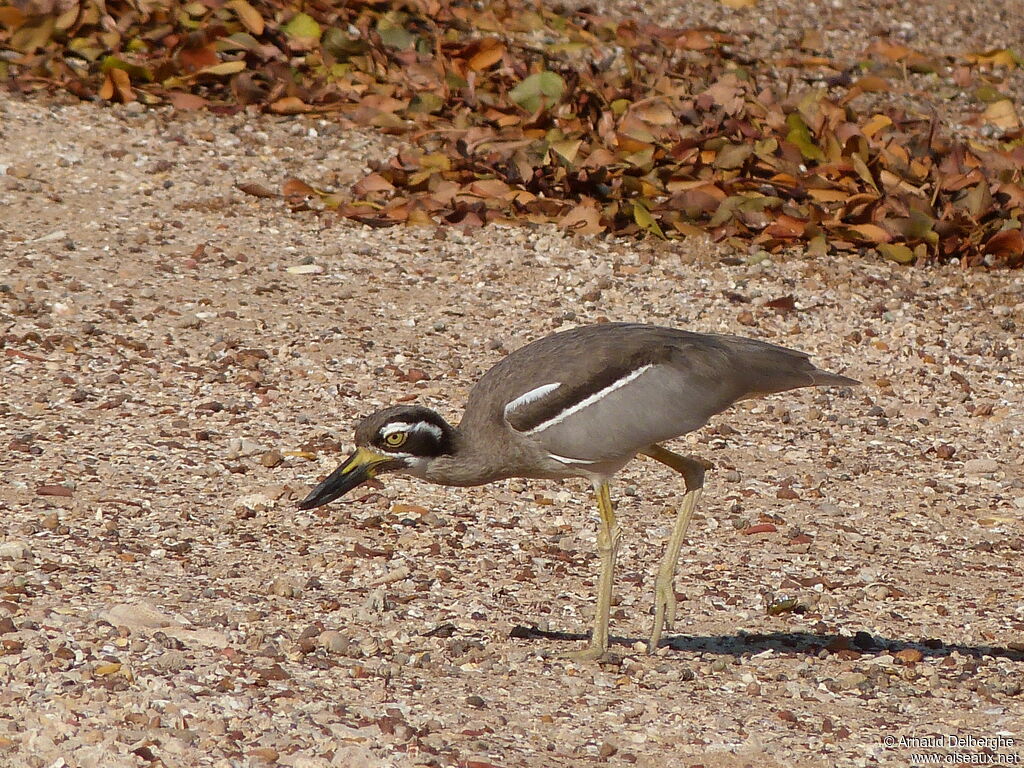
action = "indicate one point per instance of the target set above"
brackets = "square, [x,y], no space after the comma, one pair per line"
[980,466]
[15,550]
[333,642]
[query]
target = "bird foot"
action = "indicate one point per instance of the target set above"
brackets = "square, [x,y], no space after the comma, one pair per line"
[591,653]
[664,611]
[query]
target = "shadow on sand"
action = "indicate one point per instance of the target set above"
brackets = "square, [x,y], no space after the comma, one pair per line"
[791,643]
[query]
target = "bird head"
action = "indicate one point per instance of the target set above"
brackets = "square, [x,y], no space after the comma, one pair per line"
[403,438]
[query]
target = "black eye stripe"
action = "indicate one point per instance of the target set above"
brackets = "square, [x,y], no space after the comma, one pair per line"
[421,438]
[426,433]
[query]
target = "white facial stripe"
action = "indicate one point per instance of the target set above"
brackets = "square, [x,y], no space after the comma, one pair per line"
[587,401]
[567,460]
[406,426]
[532,396]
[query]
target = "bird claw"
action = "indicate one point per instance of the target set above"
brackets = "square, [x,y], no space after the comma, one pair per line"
[664,611]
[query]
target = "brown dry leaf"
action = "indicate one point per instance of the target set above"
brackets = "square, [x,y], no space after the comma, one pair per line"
[123,84]
[656,113]
[978,200]
[499,130]
[1007,246]
[372,184]
[829,195]
[290,105]
[194,59]
[33,34]
[725,93]
[786,226]
[186,101]
[107,89]
[1014,194]
[889,50]
[255,189]
[733,156]
[694,40]
[812,40]
[738,3]
[491,52]
[11,17]
[1002,114]
[419,218]
[297,188]
[875,124]
[488,188]
[248,15]
[997,57]
[872,84]
[870,232]
[584,218]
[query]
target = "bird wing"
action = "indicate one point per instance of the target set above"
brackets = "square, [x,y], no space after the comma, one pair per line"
[641,406]
[599,393]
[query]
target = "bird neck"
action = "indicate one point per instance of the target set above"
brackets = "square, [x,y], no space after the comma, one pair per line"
[464,463]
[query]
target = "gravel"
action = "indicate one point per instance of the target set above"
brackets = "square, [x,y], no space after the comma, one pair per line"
[171,386]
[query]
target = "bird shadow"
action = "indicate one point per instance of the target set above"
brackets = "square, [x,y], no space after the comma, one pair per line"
[790,643]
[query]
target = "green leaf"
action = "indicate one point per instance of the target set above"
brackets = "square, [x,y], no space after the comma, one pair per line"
[134,70]
[538,91]
[223,68]
[818,246]
[863,171]
[726,210]
[426,102]
[303,26]
[86,47]
[922,226]
[567,47]
[341,46]
[766,148]
[800,135]
[894,252]
[567,149]
[646,221]
[398,38]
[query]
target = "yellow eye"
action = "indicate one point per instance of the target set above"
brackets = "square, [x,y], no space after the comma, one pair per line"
[395,439]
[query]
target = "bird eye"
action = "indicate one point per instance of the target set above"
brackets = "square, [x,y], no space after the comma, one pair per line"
[395,439]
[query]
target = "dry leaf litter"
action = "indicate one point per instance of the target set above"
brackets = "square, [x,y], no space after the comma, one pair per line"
[899,144]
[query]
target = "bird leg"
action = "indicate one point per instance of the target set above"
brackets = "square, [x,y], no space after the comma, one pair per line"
[664,591]
[607,547]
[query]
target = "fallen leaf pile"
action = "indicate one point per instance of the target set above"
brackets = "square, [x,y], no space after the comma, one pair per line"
[513,111]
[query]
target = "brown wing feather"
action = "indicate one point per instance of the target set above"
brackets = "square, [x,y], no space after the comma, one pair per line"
[692,377]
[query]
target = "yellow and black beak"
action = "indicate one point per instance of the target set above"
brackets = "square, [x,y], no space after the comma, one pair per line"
[361,466]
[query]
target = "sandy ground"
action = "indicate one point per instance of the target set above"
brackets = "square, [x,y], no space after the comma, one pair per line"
[172,384]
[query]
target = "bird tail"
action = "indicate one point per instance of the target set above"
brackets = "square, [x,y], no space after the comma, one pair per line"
[763,368]
[822,378]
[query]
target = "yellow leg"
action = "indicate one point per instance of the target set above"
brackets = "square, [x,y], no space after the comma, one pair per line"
[664,591]
[607,547]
